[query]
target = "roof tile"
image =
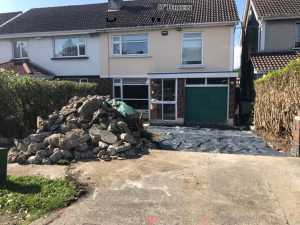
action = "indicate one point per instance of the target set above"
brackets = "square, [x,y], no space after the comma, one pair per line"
[132,14]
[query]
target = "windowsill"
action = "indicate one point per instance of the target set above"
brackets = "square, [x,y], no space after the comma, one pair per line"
[70,58]
[184,66]
[130,56]
[23,58]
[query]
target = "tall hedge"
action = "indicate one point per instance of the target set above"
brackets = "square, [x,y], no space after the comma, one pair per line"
[278,101]
[23,99]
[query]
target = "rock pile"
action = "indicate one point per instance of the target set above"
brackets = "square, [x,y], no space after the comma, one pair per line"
[86,128]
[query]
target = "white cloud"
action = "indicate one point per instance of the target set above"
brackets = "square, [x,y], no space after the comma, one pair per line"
[237,56]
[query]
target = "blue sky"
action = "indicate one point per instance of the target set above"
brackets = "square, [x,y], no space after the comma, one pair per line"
[23,5]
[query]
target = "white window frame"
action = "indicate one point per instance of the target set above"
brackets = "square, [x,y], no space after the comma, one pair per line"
[21,54]
[120,41]
[121,84]
[202,48]
[78,51]
[297,38]
[162,102]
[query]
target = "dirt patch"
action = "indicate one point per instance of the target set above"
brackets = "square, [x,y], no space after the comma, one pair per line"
[277,143]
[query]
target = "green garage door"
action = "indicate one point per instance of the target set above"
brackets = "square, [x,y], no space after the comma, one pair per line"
[206,105]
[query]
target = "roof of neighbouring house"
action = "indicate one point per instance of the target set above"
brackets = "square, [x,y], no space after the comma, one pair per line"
[265,62]
[4,17]
[25,67]
[136,13]
[277,8]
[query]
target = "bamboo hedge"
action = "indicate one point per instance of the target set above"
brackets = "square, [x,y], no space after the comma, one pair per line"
[23,99]
[278,101]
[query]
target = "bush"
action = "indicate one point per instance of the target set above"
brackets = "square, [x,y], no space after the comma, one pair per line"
[23,99]
[278,101]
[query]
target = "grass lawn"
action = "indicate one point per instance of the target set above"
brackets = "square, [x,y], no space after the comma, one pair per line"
[31,197]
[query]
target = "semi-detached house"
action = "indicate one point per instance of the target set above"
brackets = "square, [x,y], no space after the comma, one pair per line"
[171,59]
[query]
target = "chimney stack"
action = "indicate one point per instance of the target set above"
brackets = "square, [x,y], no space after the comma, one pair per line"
[114,5]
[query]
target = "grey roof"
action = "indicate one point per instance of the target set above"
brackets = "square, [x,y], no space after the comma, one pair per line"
[277,8]
[4,17]
[132,14]
[269,61]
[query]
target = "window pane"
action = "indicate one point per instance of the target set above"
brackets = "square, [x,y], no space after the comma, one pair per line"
[217,81]
[195,81]
[156,90]
[138,104]
[70,47]
[169,112]
[135,81]
[192,35]
[116,49]
[169,89]
[156,111]
[134,44]
[135,92]
[192,52]
[298,32]
[20,49]
[117,90]
[134,48]
[81,49]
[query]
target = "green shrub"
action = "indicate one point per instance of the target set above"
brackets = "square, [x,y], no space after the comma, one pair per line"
[278,101]
[23,99]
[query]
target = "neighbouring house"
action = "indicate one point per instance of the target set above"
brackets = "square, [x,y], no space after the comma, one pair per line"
[270,40]
[171,59]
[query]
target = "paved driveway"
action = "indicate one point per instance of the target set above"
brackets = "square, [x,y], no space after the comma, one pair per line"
[183,188]
[211,140]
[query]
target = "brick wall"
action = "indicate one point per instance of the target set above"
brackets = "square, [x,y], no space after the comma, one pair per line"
[296,137]
[180,98]
[232,98]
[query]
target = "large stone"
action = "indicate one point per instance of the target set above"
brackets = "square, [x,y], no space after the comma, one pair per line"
[54,139]
[102,135]
[114,150]
[73,139]
[123,127]
[34,160]
[88,108]
[44,153]
[128,138]
[38,138]
[102,145]
[67,155]
[22,158]
[56,156]
[33,148]
[82,147]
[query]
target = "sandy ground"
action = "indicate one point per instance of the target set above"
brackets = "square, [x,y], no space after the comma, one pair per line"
[182,188]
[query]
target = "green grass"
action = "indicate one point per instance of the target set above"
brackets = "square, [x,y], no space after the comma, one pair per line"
[32,197]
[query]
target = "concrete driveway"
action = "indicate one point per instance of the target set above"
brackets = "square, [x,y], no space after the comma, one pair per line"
[183,188]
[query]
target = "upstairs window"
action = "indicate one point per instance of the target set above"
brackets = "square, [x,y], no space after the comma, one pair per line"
[192,49]
[70,47]
[20,49]
[130,44]
[297,45]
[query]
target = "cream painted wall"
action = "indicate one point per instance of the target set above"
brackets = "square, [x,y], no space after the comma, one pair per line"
[165,53]
[280,35]
[5,51]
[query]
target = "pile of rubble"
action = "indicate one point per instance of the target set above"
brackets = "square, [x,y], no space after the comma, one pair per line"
[93,127]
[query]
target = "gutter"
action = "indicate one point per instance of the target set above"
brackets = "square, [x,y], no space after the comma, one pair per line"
[123,29]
